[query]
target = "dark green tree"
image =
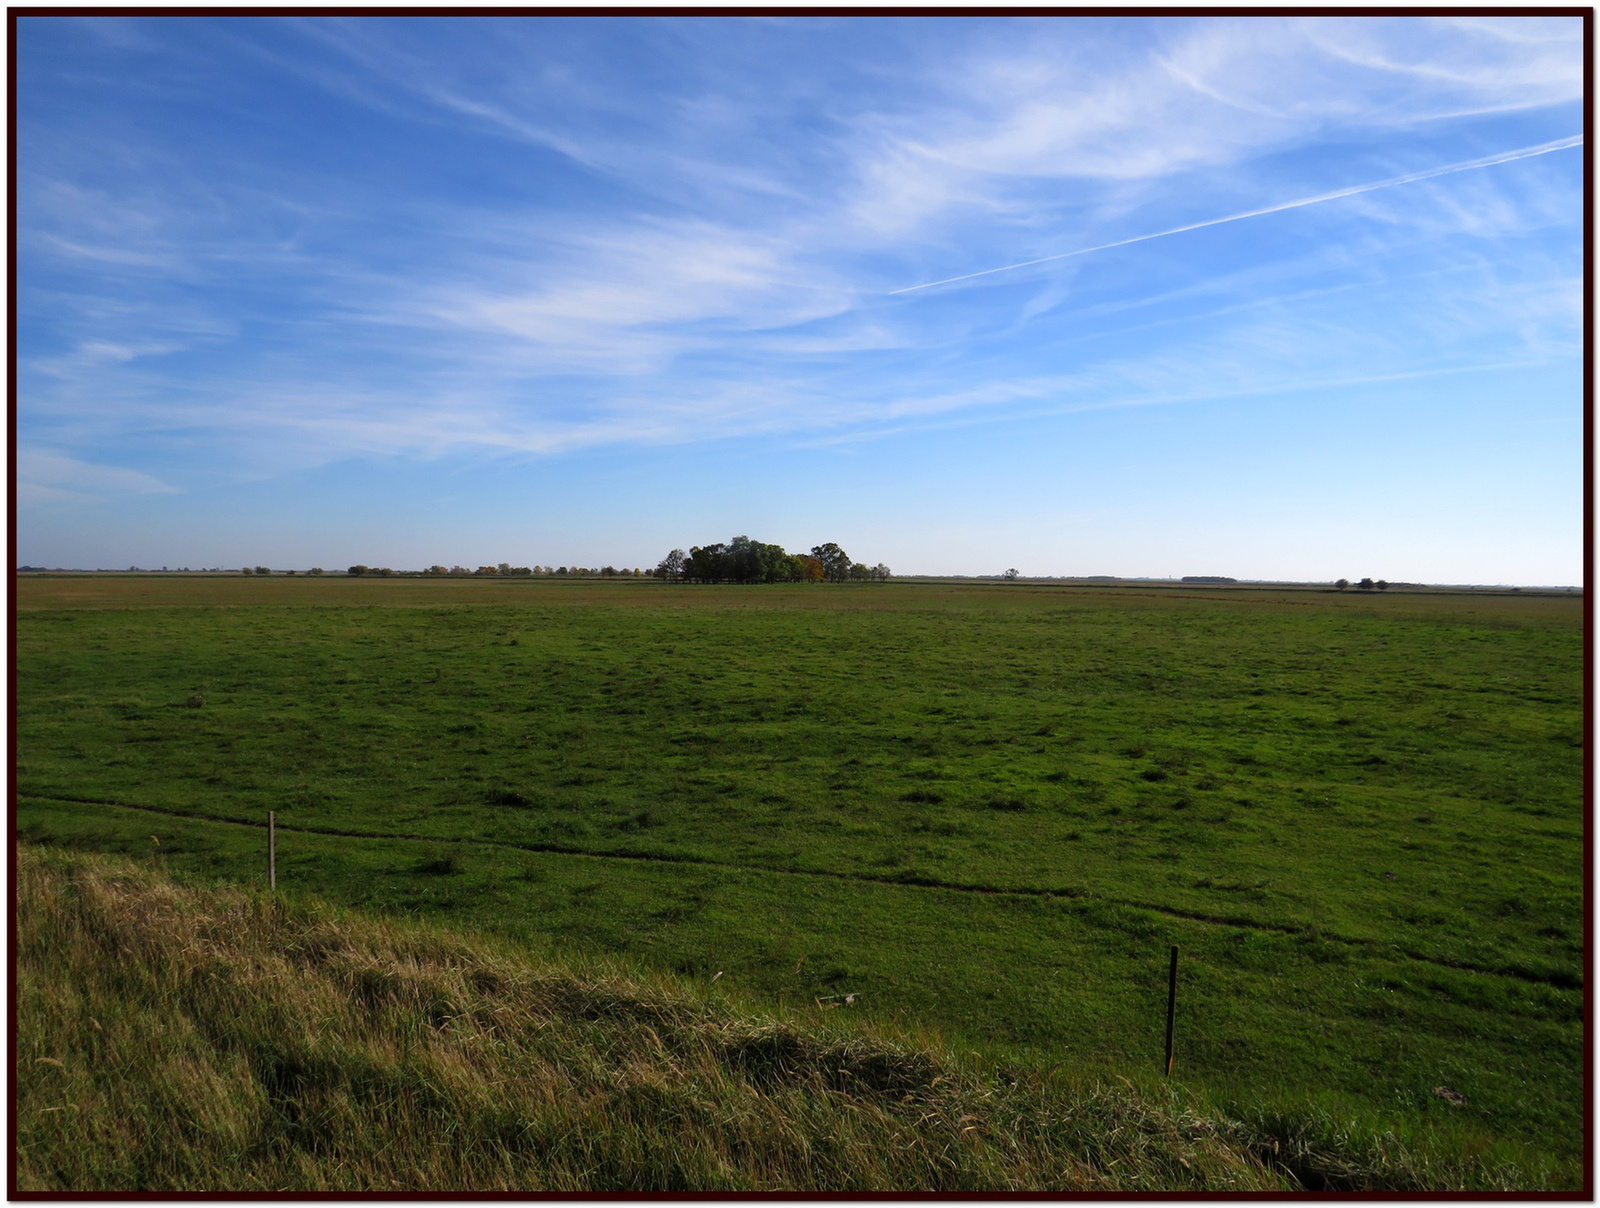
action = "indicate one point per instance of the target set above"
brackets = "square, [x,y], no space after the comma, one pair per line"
[835,562]
[707,564]
[757,562]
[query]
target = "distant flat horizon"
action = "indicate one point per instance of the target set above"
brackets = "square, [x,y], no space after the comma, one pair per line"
[1396,585]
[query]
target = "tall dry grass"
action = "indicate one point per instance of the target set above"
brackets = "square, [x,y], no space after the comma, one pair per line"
[185,1039]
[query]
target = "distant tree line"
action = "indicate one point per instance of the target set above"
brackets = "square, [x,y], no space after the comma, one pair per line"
[741,560]
[501,570]
[744,560]
[1364,585]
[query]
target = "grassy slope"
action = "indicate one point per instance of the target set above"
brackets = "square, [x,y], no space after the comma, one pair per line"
[1360,816]
[175,1038]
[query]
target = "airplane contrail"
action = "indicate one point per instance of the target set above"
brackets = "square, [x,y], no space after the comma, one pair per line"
[1504,157]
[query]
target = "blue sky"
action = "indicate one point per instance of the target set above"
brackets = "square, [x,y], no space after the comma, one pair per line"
[312,291]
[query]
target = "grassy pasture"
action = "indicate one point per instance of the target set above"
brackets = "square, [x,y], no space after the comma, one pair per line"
[989,808]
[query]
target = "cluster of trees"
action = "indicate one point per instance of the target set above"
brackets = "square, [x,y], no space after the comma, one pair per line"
[603,572]
[503,568]
[744,560]
[1364,585]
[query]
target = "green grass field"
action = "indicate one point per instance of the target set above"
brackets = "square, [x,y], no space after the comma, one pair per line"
[986,808]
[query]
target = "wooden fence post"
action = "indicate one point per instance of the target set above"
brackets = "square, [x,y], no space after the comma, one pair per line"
[1172,1004]
[272,875]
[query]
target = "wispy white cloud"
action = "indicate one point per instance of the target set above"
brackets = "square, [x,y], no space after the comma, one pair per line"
[1208,94]
[50,476]
[1503,157]
[636,296]
[1482,65]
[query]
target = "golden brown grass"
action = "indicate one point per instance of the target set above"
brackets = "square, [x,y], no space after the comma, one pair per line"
[186,1039]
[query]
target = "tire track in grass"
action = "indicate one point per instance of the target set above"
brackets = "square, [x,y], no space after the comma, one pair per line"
[1561,981]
